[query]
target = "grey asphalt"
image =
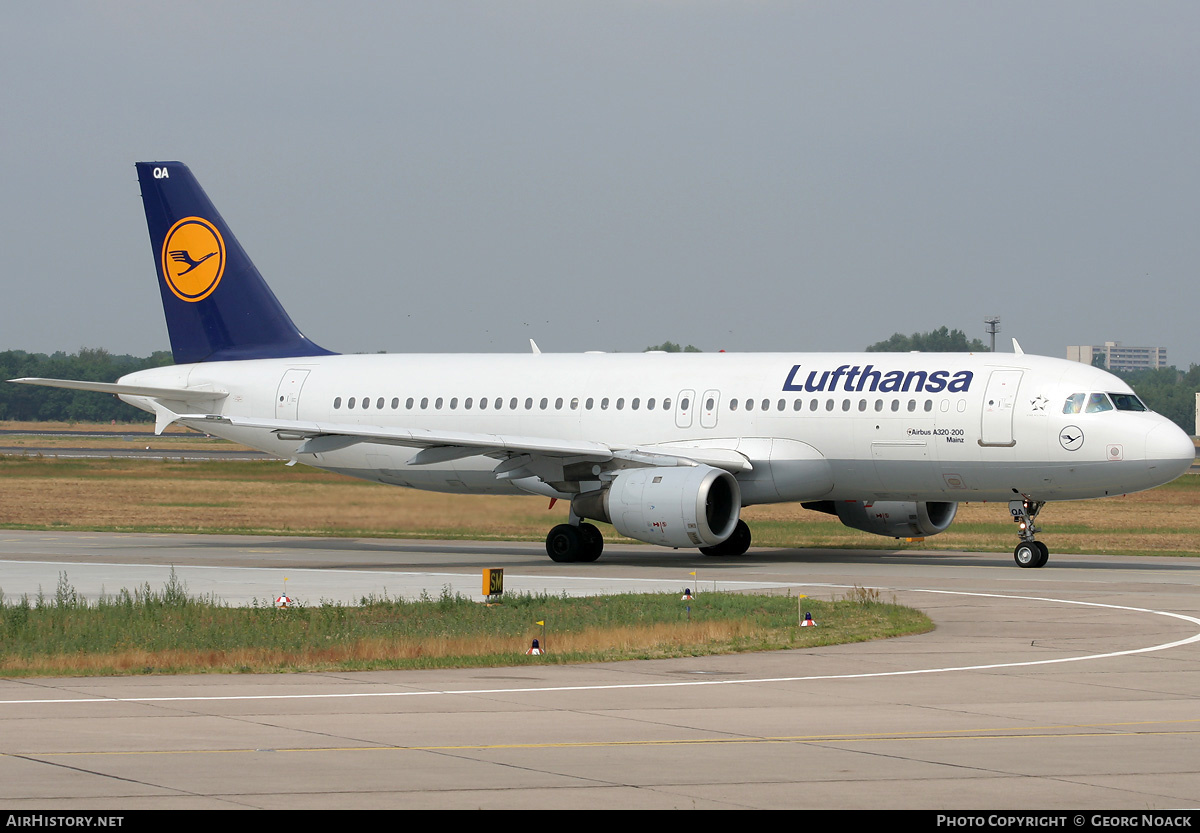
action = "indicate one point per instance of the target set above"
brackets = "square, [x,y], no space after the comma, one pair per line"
[1070,687]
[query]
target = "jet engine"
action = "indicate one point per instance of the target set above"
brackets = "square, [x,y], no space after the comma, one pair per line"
[685,506]
[893,518]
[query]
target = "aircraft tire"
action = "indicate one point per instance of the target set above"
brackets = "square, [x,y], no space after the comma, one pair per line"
[1029,554]
[564,544]
[1045,556]
[592,542]
[735,544]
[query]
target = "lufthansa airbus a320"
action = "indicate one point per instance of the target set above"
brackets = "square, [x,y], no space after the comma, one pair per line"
[668,448]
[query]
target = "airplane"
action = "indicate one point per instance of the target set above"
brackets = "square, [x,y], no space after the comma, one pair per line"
[667,448]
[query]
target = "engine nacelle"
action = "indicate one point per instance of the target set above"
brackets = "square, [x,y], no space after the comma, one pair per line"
[685,506]
[893,518]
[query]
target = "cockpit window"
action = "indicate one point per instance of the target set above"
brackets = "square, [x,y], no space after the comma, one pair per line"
[1074,403]
[1098,402]
[1128,402]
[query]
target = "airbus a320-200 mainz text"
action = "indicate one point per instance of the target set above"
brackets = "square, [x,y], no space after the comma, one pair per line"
[666,448]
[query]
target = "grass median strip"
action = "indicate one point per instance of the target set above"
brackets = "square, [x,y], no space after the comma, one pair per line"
[145,631]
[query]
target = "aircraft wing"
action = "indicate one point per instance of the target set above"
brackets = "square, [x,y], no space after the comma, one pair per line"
[520,456]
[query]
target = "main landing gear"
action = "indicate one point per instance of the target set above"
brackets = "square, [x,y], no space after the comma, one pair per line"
[1030,552]
[735,544]
[574,542]
[583,542]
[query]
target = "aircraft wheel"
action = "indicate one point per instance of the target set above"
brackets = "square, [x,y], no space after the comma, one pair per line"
[1029,554]
[735,544]
[564,544]
[592,542]
[1045,556]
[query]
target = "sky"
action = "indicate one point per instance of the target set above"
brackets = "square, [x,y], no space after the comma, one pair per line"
[748,176]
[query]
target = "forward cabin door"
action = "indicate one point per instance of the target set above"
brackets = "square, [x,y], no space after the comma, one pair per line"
[999,401]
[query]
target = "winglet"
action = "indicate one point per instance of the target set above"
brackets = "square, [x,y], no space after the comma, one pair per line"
[533,346]
[1017,348]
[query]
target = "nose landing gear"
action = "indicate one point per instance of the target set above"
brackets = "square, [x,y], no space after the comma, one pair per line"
[1030,552]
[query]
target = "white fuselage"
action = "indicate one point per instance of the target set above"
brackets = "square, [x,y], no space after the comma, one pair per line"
[862,426]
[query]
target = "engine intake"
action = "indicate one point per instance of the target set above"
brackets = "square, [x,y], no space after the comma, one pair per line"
[687,506]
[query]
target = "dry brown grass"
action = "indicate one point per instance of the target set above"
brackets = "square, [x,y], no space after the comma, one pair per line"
[262,497]
[116,428]
[267,497]
[173,438]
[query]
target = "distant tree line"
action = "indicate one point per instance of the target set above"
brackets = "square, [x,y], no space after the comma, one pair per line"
[28,403]
[672,347]
[942,340]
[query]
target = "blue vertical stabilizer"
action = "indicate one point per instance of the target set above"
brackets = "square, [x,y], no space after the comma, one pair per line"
[217,305]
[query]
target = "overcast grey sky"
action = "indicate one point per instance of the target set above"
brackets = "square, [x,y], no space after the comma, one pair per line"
[445,176]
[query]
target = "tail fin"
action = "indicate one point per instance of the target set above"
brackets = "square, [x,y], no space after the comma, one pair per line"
[217,305]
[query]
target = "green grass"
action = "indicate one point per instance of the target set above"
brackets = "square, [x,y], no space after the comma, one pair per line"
[146,631]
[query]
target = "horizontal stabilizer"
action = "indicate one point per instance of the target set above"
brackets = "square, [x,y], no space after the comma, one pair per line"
[174,394]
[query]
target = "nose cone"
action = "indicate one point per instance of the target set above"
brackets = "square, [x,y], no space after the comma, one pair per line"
[1169,451]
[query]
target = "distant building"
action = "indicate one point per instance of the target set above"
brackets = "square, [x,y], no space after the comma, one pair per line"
[1116,356]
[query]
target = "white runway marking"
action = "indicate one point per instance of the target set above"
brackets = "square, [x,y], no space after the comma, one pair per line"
[693,683]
